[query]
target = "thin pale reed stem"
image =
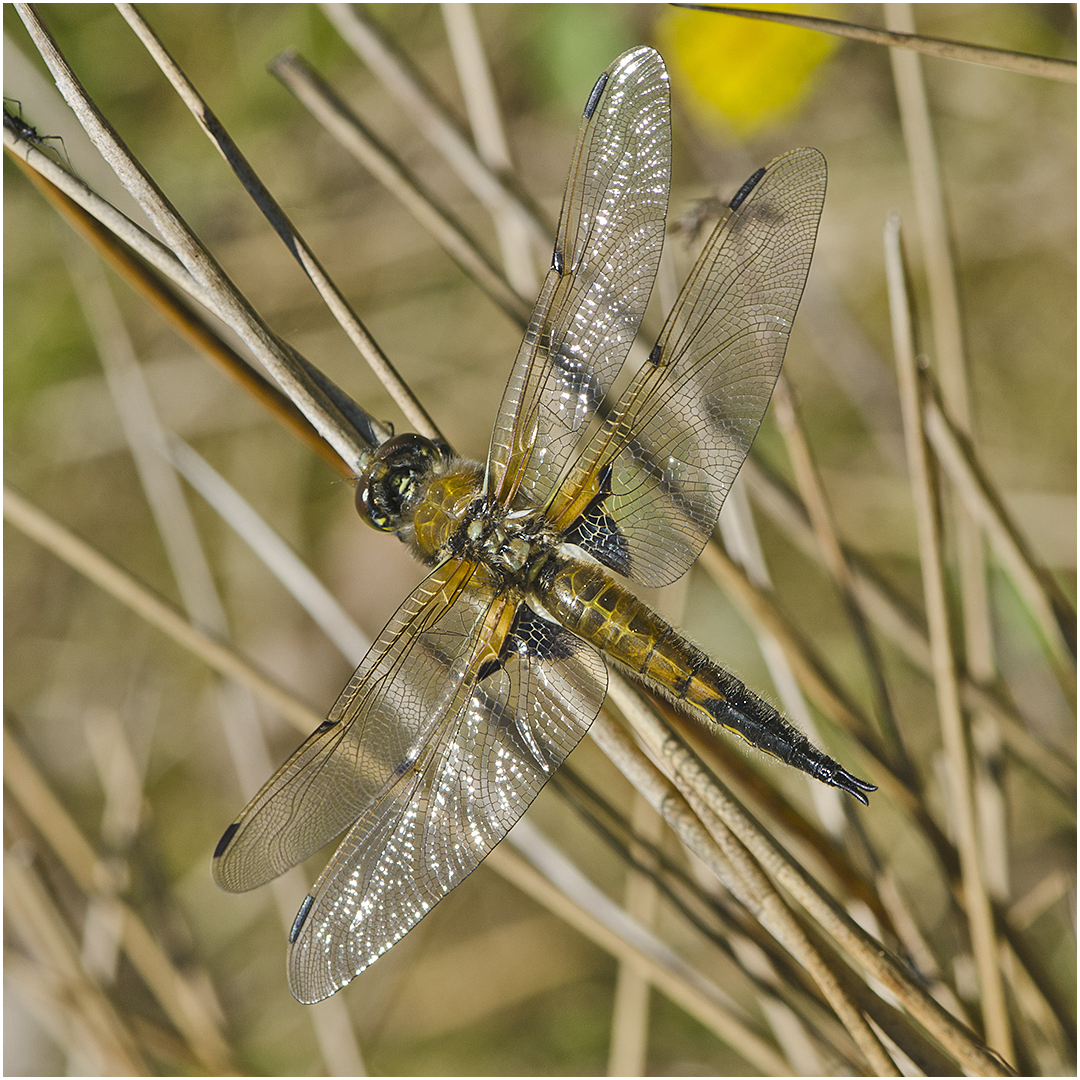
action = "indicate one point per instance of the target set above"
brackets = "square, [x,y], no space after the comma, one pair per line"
[182,1003]
[340,308]
[123,587]
[969,478]
[821,518]
[678,761]
[272,353]
[976,901]
[347,128]
[494,190]
[485,119]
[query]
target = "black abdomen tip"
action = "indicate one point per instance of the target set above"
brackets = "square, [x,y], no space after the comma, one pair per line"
[851,784]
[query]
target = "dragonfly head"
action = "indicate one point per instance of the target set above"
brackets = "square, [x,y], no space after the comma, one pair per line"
[394,483]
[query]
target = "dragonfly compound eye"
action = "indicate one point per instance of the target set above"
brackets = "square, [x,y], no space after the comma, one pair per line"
[396,480]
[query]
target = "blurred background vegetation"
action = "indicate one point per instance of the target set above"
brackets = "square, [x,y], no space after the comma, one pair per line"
[490,983]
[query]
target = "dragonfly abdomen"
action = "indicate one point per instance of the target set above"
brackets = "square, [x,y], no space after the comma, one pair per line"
[590,603]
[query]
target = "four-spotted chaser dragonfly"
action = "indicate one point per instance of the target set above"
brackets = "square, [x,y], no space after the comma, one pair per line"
[493,669]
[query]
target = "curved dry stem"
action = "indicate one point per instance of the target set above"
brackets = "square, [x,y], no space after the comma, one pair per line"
[892,618]
[40,527]
[115,248]
[728,860]
[816,503]
[90,1030]
[688,988]
[688,773]
[498,192]
[347,128]
[485,119]
[959,458]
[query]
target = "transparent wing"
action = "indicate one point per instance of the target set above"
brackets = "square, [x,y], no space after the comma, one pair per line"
[480,770]
[611,231]
[400,693]
[645,494]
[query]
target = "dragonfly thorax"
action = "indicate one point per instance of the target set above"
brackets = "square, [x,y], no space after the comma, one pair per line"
[457,519]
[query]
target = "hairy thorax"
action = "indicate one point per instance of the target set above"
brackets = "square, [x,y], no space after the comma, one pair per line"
[437,504]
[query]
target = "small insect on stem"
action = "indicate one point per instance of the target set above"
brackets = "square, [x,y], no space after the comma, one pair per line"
[23,130]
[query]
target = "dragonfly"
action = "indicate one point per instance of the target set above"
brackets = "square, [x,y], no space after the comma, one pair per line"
[493,669]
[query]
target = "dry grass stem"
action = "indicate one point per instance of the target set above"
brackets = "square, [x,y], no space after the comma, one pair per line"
[122,586]
[821,518]
[185,1007]
[976,901]
[114,249]
[498,193]
[949,353]
[93,1034]
[959,458]
[272,353]
[672,976]
[271,550]
[271,209]
[690,776]
[511,220]
[347,128]
[1045,67]
[893,619]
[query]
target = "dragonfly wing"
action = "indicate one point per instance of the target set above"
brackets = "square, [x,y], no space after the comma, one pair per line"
[644,496]
[398,695]
[433,827]
[611,232]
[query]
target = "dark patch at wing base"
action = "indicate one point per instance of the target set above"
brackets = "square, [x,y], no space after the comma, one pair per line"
[597,532]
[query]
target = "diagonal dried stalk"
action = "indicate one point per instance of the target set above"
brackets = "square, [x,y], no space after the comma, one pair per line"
[291,376]
[1046,67]
[173,990]
[294,242]
[976,900]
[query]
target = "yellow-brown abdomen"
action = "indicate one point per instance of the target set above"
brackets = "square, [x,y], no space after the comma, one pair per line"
[590,603]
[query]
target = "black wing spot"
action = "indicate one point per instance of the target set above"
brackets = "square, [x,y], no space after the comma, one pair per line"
[301,918]
[740,195]
[226,836]
[594,97]
[557,262]
[657,352]
[530,635]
